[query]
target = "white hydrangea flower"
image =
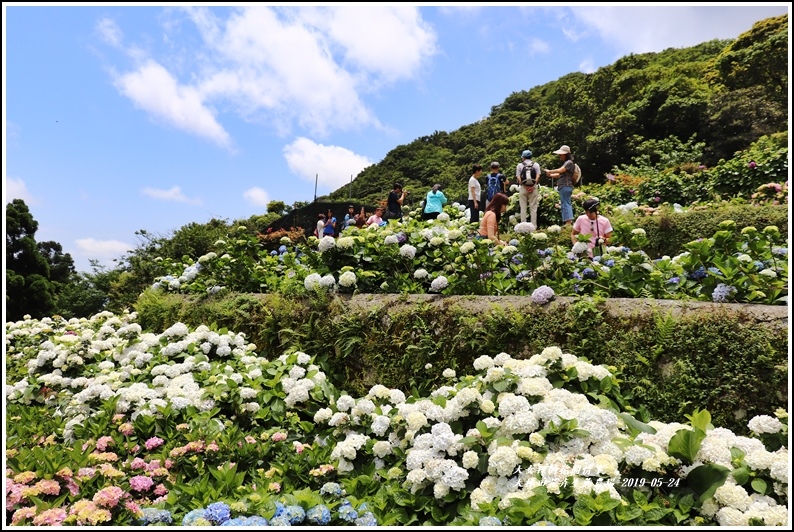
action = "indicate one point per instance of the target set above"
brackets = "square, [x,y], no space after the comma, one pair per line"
[438,284]
[467,247]
[347,279]
[312,281]
[326,243]
[421,273]
[579,247]
[391,239]
[524,228]
[408,251]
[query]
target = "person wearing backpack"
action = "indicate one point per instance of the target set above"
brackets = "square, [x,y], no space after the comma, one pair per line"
[527,177]
[565,182]
[494,183]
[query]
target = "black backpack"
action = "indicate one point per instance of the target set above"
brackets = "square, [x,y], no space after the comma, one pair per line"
[533,175]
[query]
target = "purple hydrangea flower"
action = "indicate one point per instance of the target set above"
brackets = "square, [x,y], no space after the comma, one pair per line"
[542,295]
[589,273]
[673,280]
[751,164]
[722,292]
[217,512]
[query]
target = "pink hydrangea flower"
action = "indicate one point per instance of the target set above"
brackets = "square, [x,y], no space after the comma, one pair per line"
[279,436]
[104,442]
[127,429]
[22,514]
[48,487]
[51,517]
[160,490]
[141,483]
[108,497]
[153,443]
[138,463]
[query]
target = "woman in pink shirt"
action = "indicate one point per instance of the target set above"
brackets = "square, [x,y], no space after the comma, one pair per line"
[591,223]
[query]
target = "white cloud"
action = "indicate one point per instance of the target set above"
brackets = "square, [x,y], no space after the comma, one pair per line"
[333,165]
[258,197]
[153,89]
[587,66]
[17,189]
[538,46]
[172,194]
[103,249]
[284,66]
[109,31]
[639,29]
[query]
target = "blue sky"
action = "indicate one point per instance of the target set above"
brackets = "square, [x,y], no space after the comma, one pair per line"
[148,116]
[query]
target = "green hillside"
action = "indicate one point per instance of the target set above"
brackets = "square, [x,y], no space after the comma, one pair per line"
[724,93]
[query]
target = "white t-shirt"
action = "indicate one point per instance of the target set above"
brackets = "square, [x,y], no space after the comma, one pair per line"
[477,189]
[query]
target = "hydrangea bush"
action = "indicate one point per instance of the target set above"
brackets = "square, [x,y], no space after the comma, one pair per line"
[111,425]
[443,257]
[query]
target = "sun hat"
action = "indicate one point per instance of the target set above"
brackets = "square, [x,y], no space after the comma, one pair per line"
[591,204]
[526,154]
[494,165]
[563,149]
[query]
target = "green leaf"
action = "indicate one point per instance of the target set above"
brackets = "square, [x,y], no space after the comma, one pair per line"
[705,479]
[741,475]
[636,426]
[685,444]
[701,419]
[759,486]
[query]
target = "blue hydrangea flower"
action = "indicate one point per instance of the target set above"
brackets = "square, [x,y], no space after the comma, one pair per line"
[282,249]
[295,514]
[517,258]
[698,274]
[401,238]
[346,512]
[217,512]
[237,521]
[274,252]
[318,515]
[722,292]
[333,489]
[279,510]
[609,263]
[155,515]
[490,521]
[673,280]
[576,276]
[597,258]
[758,265]
[715,271]
[524,276]
[781,252]
[367,520]
[256,520]
[589,273]
[514,242]
[281,520]
[191,517]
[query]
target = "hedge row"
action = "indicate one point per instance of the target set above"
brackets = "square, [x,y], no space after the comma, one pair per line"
[721,361]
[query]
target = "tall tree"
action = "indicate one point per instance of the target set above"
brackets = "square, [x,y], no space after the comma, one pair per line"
[28,286]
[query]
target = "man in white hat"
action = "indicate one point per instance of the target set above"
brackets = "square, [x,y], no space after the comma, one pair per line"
[565,182]
[527,177]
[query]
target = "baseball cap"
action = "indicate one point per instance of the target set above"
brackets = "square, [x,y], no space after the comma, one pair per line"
[563,149]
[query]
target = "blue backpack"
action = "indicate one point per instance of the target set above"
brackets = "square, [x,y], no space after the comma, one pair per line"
[494,185]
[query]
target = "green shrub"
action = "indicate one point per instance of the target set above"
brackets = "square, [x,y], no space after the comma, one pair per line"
[720,361]
[765,161]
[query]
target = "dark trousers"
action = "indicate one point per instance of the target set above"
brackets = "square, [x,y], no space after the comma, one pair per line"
[475,213]
[430,215]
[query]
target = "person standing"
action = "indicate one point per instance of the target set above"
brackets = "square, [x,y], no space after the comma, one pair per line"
[489,225]
[434,203]
[527,177]
[318,231]
[591,223]
[474,194]
[394,203]
[350,217]
[495,183]
[330,224]
[565,182]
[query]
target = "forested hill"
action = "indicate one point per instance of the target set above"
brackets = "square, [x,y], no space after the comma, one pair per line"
[726,93]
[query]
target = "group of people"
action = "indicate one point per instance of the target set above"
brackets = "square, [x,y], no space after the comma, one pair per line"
[527,176]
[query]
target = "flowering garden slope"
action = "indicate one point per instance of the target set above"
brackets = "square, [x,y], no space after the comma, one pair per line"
[107,424]
[442,256]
